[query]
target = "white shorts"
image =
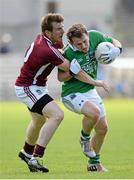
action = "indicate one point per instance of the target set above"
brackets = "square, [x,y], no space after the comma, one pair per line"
[31,94]
[75,101]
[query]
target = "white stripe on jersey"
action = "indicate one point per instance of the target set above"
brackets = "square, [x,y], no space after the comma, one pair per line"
[29,52]
[56,51]
[39,72]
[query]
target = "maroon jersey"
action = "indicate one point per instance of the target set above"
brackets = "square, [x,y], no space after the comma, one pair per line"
[39,61]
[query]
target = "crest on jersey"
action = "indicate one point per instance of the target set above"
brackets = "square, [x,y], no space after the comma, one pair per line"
[39,92]
[72,96]
[91,54]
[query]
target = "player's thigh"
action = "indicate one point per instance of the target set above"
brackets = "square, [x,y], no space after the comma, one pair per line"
[35,97]
[74,102]
[94,98]
[31,94]
[90,110]
[80,103]
[52,110]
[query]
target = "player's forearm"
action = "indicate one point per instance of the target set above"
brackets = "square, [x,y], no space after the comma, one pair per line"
[84,77]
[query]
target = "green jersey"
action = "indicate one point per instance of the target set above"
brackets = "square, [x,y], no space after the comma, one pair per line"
[87,62]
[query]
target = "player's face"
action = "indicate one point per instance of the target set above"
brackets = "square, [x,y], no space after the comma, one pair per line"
[57,32]
[81,43]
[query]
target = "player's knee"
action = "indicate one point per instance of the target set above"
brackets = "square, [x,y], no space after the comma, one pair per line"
[96,115]
[59,116]
[93,114]
[105,129]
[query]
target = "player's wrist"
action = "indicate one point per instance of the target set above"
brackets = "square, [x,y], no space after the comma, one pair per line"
[120,48]
[97,83]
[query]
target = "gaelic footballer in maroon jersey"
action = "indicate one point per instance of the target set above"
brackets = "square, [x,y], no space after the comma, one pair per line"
[39,61]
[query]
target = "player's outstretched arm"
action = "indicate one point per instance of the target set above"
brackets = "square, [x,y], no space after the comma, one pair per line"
[83,76]
[78,73]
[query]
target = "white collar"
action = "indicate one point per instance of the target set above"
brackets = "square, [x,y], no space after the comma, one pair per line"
[48,39]
[74,48]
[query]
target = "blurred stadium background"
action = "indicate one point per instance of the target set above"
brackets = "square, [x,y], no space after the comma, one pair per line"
[20,22]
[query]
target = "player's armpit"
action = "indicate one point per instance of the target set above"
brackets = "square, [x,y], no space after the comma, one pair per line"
[65,65]
[63,76]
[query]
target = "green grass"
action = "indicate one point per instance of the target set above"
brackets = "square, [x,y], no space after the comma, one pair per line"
[63,154]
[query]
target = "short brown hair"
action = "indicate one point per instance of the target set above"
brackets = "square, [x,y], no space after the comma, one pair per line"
[46,21]
[77,31]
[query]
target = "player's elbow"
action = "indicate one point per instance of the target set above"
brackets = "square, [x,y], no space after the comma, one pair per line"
[60,78]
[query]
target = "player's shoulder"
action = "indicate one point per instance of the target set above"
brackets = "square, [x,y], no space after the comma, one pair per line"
[39,38]
[68,49]
[95,36]
[93,32]
[38,42]
[42,44]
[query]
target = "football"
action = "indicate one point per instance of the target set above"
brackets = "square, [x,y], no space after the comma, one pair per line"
[102,48]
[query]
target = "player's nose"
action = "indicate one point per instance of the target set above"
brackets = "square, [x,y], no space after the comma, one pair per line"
[84,46]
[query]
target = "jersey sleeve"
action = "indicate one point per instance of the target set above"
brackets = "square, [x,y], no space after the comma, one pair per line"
[68,53]
[99,37]
[55,56]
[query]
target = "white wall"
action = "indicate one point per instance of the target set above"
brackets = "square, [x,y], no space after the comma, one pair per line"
[85,11]
[22,18]
[17,12]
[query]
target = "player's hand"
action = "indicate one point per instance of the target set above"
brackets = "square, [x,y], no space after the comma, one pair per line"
[74,67]
[103,84]
[112,54]
[106,86]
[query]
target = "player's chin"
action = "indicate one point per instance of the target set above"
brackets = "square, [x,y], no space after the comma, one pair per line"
[85,50]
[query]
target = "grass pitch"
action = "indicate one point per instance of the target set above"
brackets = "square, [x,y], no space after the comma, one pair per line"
[63,155]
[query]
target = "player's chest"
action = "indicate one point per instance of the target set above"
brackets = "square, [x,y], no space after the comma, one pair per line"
[85,58]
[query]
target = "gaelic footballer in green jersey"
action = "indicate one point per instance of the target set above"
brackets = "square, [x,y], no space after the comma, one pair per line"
[87,61]
[83,98]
